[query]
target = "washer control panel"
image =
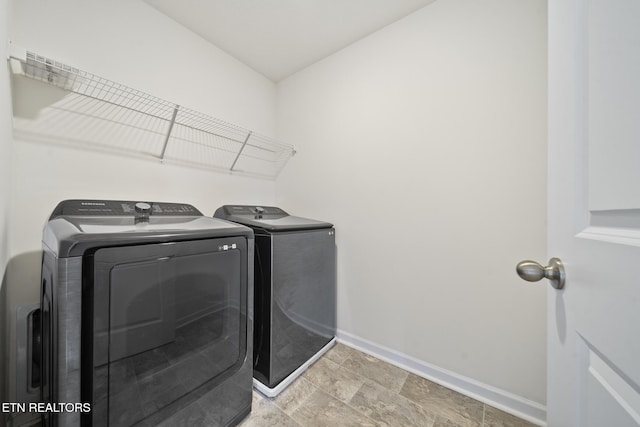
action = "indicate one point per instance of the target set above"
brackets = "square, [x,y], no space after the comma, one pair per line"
[253,210]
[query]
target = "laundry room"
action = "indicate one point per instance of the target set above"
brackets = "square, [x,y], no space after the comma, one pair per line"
[422,142]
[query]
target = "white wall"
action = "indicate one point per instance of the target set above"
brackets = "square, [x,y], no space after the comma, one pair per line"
[5,179]
[5,139]
[425,144]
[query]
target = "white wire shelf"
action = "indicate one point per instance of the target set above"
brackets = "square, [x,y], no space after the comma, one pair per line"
[59,104]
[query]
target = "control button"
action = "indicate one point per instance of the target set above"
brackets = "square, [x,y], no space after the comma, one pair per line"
[259,210]
[143,207]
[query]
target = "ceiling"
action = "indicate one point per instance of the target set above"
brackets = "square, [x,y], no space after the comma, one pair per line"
[280,37]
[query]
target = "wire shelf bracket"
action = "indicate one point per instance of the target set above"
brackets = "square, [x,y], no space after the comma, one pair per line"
[59,104]
[244,144]
[166,141]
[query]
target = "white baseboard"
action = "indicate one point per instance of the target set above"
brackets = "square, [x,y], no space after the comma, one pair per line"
[516,405]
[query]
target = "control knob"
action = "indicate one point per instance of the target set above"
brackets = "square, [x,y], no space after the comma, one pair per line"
[259,212]
[143,208]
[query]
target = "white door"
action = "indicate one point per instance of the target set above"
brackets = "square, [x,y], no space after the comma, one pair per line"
[594,213]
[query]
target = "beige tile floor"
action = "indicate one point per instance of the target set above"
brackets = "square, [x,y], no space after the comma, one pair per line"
[349,388]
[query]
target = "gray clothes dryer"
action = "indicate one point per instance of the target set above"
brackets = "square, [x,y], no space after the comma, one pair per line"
[295,292]
[146,315]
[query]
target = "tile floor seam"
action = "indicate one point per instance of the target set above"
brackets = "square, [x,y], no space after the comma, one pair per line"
[429,412]
[271,402]
[360,377]
[395,393]
[357,410]
[305,399]
[291,418]
[349,406]
[348,403]
[405,371]
[408,400]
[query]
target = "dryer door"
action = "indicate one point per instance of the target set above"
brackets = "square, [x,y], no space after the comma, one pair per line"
[169,320]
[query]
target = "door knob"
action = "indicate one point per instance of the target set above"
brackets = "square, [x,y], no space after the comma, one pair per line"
[532,271]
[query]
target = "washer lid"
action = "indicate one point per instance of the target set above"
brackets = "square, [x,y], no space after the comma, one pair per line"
[269,218]
[78,225]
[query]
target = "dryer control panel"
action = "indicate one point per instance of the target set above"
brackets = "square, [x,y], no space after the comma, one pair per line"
[122,208]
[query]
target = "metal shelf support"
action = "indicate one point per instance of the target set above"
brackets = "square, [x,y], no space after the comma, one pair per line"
[166,140]
[244,144]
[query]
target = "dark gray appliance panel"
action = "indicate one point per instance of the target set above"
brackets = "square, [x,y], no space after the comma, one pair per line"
[304,301]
